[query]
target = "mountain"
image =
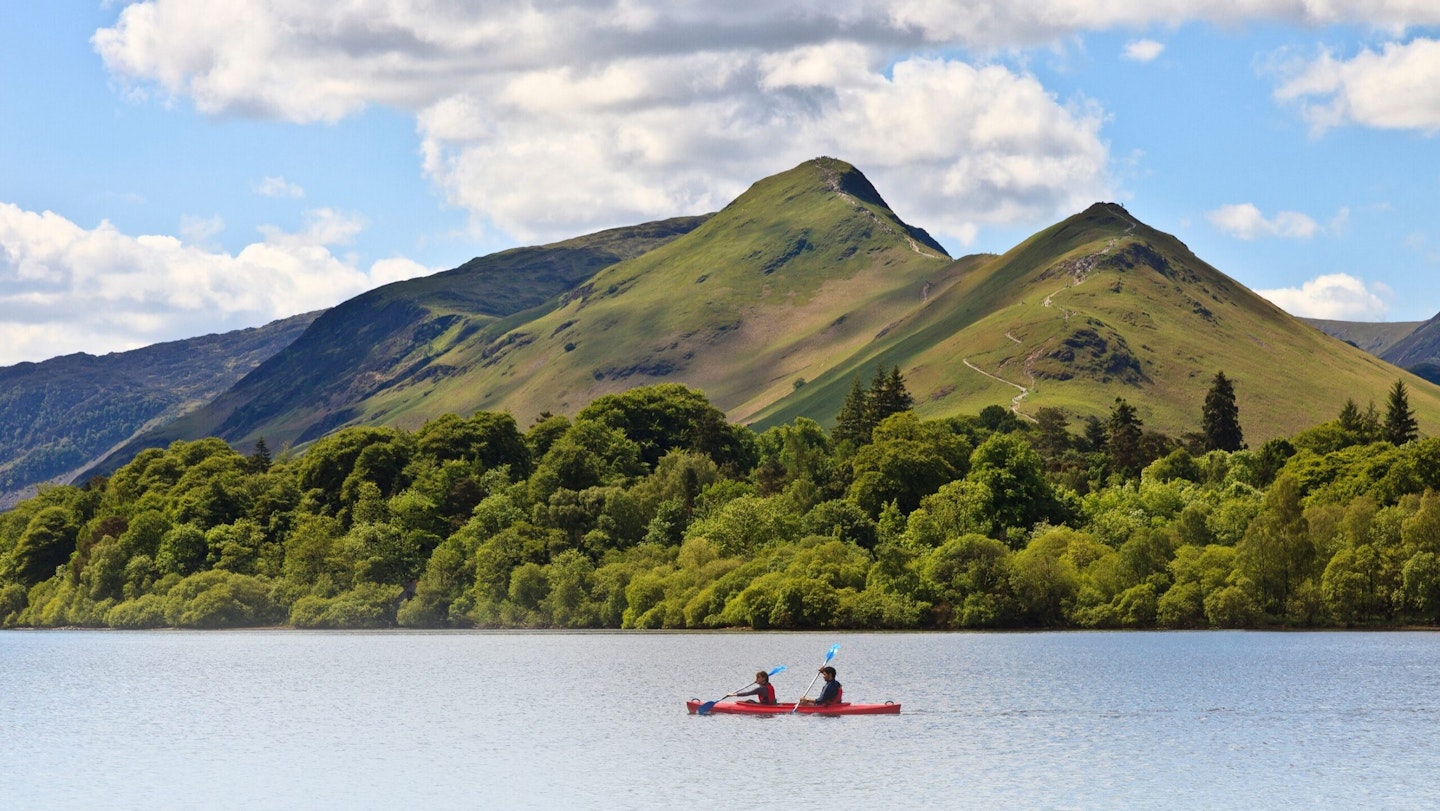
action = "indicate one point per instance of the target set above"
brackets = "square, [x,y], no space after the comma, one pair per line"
[1372,336]
[1418,351]
[62,415]
[1101,306]
[803,269]
[391,336]
[775,304]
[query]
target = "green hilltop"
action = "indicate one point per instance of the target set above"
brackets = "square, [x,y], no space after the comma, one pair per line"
[1101,306]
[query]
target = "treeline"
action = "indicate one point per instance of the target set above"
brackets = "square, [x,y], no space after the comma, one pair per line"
[649,510]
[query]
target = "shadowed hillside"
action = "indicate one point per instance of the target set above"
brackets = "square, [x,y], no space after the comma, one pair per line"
[61,415]
[393,335]
[1418,351]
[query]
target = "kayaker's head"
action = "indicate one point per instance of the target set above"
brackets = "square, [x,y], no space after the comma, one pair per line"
[762,678]
[828,672]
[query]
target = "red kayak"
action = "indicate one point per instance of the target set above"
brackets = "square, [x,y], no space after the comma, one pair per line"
[843,708]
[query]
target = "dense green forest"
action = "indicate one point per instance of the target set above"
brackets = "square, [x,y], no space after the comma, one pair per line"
[649,510]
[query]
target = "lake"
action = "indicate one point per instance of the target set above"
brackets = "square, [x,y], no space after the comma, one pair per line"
[516,720]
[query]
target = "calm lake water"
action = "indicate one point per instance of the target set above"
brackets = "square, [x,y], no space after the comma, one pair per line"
[286,719]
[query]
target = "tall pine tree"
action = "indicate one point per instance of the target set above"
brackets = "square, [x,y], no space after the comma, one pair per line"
[1220,417]
[852,422]
[1400,426]
[1123,433]
[888,395]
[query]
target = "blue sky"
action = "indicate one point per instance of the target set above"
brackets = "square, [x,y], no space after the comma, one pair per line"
[169,168]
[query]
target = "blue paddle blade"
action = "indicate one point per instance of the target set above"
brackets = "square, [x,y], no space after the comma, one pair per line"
[704,708]
[780,669]
[834,649]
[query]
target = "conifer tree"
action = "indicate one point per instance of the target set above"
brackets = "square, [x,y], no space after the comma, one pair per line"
[1370,424]
[259,461]
[1220,417]
[852,422]
[1123,433]
[888,396]
[1400,426]
[1350,418]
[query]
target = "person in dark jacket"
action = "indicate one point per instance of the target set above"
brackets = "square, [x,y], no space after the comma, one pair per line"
[764,691]
[831,693]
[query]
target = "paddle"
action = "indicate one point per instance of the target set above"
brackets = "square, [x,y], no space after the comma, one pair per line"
[829,654]
[704,708]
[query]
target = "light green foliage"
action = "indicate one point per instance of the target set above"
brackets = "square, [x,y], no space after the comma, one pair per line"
[969,579]
[646,512]
[906,460]
[747,523]
[220,599]
[369,605]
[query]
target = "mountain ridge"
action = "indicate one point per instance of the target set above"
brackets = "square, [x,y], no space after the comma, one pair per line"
[776,303]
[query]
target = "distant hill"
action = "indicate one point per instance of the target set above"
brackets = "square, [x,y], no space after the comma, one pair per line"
[62,415]
[1419,351]
[1411,345]
[1372,336]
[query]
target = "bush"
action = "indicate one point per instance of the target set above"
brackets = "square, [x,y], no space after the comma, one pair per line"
[146,611]
[221,599]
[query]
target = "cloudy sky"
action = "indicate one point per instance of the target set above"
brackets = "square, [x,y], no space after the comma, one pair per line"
[171,168]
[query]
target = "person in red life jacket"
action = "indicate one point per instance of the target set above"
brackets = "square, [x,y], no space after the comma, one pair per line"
[764,691]
[831,693]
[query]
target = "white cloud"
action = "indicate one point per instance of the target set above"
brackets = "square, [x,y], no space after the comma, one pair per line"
[323,226]
[1397,87]
[957,145]
[547,123]
[1143,50]
[64,288]
[1245,221]
[1336,296]
[550,119]
[278,187]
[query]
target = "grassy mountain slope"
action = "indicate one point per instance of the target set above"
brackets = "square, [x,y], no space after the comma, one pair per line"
[1375,337]
[1101,306]
[61,415]
[796,274]
[393,335]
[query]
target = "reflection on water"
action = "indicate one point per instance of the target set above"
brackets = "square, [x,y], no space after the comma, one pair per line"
[280,719]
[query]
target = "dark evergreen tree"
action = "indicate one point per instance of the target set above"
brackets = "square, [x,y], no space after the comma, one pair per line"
[1400,426]
[852,423]
[260,459]
[1094,434]
[1052,438]
[1123,433]
[1350,418]
[1220,417]
[1370,424]
[887,395]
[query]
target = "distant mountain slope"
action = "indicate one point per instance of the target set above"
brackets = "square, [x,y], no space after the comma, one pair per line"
[1373,337]
[61,415]
[1419,351]
[1102,306]
[393,334]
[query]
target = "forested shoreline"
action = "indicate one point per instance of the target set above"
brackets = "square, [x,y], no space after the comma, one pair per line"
[649,510]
